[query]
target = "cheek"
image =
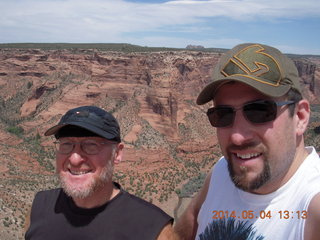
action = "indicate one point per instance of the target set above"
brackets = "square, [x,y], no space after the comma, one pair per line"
[280,142]
[222,136]
[100,161]
[104,157]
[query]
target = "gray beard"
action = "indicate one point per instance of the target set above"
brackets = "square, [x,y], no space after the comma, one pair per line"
[87,191]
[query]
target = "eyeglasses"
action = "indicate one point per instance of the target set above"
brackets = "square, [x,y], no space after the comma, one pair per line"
[260,111]
[89,147]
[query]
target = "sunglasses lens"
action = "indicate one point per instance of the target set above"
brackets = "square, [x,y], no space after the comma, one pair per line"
[260,111]
[221,116]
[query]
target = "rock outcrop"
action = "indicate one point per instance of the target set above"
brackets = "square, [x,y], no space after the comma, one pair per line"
[167,136]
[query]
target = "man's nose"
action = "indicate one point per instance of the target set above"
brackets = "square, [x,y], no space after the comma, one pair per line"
[76,156]
[242,130]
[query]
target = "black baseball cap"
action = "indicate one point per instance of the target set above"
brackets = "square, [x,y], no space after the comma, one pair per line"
[82,121]
[260,66]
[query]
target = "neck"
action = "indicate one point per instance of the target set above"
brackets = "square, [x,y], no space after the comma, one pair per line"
[99,197]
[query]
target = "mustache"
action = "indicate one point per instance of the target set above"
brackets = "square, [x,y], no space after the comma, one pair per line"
[245,146]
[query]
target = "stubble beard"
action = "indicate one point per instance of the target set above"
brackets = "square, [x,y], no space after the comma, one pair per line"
[86,190]
[240,181]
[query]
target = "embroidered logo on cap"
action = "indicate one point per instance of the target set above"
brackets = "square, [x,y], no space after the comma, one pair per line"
[254,63]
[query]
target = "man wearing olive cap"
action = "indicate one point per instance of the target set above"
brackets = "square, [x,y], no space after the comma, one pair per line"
[267,184]
[90,205]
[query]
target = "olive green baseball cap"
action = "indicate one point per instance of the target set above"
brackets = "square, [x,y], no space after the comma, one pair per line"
[260,66]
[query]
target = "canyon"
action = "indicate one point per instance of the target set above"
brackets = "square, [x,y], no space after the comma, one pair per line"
[169,143]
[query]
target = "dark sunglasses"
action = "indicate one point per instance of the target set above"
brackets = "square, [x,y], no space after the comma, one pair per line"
[260,111]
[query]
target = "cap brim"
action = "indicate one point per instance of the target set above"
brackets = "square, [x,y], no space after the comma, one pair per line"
[53,130]
[210,91]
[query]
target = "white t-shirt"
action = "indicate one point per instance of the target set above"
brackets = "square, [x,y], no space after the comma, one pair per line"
[230,213]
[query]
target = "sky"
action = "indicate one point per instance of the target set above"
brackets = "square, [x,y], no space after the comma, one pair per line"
[293,26]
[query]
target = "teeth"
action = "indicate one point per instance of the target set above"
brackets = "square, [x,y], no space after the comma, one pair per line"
[247,156]
[79,172]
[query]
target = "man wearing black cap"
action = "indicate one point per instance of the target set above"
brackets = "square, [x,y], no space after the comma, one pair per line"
[267,185]
[89,205]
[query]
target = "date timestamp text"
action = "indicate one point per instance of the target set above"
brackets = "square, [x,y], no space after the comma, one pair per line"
[250,214]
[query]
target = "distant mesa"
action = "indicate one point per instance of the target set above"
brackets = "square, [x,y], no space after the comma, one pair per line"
[195,47]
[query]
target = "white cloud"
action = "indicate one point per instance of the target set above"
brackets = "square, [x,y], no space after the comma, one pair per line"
[114,20]
[126,16]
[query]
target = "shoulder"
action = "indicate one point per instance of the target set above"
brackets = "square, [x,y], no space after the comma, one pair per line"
[312,230]
[43,201]
[142,205]
[314,207]
[145,216]
[51,192]
[47,195]
[186,226]
[133,204]
[46,199]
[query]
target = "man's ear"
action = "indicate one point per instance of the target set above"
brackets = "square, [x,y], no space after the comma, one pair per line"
[118,153]
[302,115]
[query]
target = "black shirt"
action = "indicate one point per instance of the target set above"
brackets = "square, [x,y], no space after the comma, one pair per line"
[54,216]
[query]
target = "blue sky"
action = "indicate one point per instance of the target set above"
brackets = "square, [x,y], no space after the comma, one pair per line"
[293,26]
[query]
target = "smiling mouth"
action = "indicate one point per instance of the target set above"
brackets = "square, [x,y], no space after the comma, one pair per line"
[247,156]
[77,173]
